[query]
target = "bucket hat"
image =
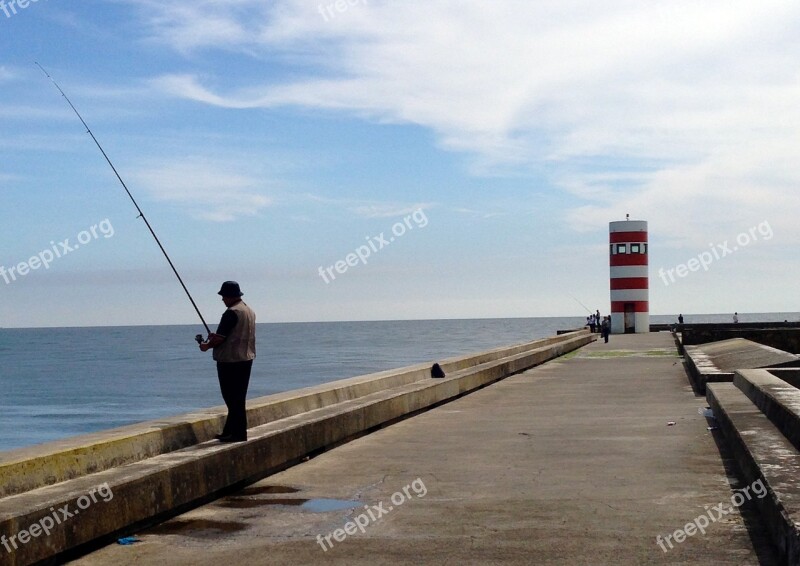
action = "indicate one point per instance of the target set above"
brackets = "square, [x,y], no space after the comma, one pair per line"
[230,289]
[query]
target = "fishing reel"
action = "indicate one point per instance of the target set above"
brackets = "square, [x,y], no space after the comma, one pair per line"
[199,338]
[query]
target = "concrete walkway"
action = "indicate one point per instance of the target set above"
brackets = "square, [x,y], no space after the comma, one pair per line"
[572,462]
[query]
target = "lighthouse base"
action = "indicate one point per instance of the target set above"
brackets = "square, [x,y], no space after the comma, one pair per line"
[630,322]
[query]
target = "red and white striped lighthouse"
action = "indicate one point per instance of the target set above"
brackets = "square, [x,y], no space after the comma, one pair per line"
[630,307]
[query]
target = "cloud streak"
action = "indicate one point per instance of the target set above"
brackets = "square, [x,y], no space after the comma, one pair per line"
[208,190]
[6,74]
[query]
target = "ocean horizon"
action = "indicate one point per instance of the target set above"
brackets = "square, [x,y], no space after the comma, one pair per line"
[654,319]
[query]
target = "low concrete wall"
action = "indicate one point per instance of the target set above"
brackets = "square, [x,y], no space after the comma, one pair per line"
[717,361]
[789,375]
[776,399]
[296,424]
[783,336]
[763,452]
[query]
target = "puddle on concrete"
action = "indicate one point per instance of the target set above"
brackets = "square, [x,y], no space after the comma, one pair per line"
[325,505]
[197,528]
[311,505]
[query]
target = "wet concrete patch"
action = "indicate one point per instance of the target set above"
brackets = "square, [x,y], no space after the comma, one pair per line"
[196,528]
[612,354]
[268,490]
[249,503]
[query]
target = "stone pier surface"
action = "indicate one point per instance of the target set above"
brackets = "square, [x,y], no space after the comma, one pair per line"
[573,462]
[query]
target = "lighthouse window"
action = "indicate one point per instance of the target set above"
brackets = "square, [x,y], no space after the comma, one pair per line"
[622,248]
[635,249]
[644,248]
[612,249]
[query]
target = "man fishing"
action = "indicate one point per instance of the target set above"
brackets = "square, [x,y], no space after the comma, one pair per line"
[234,349]
[234,343]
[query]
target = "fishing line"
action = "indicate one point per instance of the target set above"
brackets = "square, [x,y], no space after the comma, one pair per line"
[581,304]
[133,200]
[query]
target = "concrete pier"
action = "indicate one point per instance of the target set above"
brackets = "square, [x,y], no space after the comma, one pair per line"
[599,457]
[61,499]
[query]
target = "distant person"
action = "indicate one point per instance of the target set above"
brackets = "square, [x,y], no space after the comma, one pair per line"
[680,319]
[597,320]
[605,328]
[590,322]
[735,317]
[234,346]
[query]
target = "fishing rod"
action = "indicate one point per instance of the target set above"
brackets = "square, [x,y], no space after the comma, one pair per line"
[581,304]
[133,200]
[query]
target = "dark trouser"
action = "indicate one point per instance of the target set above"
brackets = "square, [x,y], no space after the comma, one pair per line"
[234,377]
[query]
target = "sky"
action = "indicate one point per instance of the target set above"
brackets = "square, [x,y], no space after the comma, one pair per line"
[379,160]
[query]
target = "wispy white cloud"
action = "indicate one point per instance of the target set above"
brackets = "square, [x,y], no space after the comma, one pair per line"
[685,114]
[369,209]
[208,190]
[480,213]
[200,24]
[387,210]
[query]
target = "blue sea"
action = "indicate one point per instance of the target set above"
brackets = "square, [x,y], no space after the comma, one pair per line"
[60,382]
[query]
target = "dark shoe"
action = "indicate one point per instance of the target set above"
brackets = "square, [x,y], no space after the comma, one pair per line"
[233,439]
[221,436]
